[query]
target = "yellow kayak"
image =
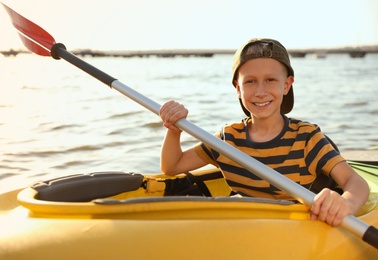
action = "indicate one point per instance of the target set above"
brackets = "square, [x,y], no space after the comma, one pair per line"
[117,215]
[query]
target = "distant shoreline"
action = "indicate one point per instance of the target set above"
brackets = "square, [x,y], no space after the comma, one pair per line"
[355,52]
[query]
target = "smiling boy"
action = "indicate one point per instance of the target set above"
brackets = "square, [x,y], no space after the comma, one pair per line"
[262,76]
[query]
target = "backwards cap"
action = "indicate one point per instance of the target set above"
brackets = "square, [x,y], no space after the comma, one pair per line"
[264,48]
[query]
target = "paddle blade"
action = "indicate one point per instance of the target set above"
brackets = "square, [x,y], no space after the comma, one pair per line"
[36,39]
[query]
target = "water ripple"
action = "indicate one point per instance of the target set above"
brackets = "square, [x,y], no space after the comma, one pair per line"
[125,114]
[60,127]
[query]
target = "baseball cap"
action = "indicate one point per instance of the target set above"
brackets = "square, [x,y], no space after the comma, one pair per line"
[264,48]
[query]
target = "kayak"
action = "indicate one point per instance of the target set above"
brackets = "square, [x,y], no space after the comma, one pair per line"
[112,215]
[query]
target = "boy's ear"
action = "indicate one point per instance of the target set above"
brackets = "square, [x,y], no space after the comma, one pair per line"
[237,87]
[288,83]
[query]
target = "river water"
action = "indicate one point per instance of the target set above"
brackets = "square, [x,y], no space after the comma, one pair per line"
[56,120]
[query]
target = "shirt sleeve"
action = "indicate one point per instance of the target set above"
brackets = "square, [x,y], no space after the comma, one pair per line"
[321,156]
[206,153]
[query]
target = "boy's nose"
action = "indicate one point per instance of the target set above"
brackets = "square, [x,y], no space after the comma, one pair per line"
[260,90]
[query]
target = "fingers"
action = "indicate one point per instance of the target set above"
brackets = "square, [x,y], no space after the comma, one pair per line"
[171,112]
[330,207]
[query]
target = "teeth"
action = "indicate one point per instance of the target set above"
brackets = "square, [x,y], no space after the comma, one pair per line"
[262,104]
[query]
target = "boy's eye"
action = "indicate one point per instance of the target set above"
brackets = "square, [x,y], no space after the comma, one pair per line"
[270,79]
[249,81]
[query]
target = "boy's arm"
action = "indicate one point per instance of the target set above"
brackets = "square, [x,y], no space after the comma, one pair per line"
[173,160]
[331,207]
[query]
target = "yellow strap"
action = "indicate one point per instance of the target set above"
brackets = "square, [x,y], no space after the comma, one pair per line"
[154,185]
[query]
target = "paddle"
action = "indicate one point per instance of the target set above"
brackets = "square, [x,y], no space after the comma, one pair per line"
[40,42]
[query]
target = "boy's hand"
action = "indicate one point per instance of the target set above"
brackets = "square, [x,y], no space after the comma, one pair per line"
[330,207]
[170,113]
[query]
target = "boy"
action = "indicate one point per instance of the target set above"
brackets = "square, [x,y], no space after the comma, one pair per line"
[263,78]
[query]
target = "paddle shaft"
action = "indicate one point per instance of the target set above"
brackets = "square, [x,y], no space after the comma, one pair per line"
[354,225]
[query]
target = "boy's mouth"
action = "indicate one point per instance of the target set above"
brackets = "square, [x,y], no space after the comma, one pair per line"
[262,104]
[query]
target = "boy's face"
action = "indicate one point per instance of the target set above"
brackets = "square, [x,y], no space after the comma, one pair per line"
[261,84]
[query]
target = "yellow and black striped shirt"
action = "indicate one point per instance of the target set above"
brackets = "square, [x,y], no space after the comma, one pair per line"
[300,152]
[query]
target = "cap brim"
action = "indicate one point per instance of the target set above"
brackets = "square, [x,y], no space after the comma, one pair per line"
[288,102]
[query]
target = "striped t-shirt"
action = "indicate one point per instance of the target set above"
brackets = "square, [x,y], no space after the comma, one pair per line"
[300,152]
